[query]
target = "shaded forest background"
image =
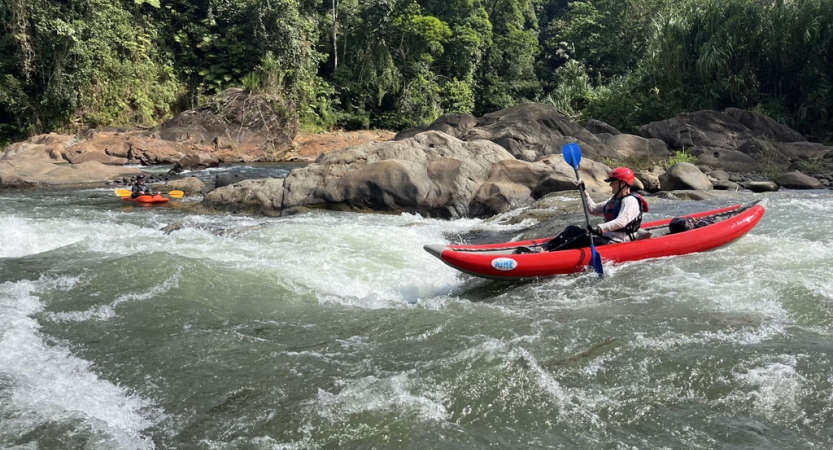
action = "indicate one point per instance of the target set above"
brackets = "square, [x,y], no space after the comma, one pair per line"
[324,64]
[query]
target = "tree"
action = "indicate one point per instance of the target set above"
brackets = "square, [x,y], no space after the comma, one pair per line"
[507,76]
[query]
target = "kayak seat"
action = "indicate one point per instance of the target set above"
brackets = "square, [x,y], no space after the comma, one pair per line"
[642,234]
[523,249]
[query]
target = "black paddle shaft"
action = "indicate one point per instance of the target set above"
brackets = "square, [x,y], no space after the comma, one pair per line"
[583,201]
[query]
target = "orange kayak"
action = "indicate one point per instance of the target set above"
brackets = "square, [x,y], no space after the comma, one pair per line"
[147,199]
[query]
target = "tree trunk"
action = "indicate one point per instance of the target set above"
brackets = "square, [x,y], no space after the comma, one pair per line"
[335,41]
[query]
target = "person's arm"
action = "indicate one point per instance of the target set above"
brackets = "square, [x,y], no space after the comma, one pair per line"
[596,209]
[627,213]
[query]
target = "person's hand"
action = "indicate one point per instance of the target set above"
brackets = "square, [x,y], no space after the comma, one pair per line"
[580,183]
[597,231]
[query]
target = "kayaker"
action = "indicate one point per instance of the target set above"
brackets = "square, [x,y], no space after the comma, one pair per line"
[140,188]
[622,213]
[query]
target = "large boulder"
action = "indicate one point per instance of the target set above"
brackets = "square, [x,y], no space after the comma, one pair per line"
[726,159]
[810,150]
[85,151]
[225,179]
[598,127]
[48,148]
[761,186]
[684,176]
[263,196]
[41,160]
[24,172]
[650,178]
[148,151]
[532,131]
[699,129]
[456,125]
[198,161]
[512,183]
[765,153]
[798,180]
[188,185]
[432,174]
[764,127]
[629,146]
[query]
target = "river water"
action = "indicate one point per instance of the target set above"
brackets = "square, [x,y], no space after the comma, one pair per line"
[336,330]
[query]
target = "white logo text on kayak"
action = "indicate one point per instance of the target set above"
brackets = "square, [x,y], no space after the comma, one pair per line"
[504,264]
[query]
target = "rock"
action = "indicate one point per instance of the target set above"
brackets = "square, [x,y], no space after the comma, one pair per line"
[239,128]
[598,127]
[411,132]
[40,160]
[724,185]
[87,151]
[719,174]
[798,180]
[722,180]
[699,129]
[765,153]
[168,229]
[532,131]
[512,183]
[225,179]
[188,185]
[650,178]
[195,162]
[763,126]
[629,146]
[148,151]
[761,186]
[731,160]
[684,176]
[809,150]
[22,173]
[432,174]
[250,196]
[451,124]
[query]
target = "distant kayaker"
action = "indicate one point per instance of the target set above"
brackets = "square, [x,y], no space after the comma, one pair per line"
[622,213]
[140,188]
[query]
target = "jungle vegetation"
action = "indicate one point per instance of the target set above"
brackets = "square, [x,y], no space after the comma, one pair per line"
[73,64]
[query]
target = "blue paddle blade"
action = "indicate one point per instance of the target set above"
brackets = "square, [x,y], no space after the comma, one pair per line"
[572,154]
[596,262]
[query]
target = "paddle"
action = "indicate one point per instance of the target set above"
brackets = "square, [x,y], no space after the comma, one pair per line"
[572,154]
[127,193]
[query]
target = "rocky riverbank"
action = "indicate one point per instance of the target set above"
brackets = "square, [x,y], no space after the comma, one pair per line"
[462,166]
[457,166]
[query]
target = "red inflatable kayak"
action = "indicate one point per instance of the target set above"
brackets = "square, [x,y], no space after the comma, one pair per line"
[148,199]
[500,261]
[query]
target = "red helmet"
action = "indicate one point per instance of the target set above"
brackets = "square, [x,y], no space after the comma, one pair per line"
[621,173]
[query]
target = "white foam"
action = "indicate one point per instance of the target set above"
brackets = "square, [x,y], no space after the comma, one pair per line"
[108,311]
[47,383]
[22,237]
[395,394]
[775,389]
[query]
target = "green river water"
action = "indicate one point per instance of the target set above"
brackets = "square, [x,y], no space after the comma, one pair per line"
[337,331]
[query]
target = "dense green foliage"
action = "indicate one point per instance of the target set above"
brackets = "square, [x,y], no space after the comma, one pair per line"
[69,64]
